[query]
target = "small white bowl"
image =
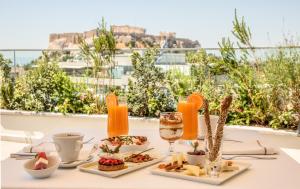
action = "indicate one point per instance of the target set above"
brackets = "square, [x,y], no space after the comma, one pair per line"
[43,173]
[195,159]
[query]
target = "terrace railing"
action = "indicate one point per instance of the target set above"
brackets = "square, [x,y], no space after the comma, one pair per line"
[74,64]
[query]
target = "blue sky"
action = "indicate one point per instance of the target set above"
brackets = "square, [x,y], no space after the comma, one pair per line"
[28,23]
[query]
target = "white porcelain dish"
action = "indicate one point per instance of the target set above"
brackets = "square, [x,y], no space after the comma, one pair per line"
[92,167]
[43,173]
[224,176]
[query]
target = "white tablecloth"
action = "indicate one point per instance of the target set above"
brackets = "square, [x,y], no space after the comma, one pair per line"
[281,173]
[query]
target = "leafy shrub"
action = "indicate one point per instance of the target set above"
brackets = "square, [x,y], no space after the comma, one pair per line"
[267,92]
[7,84]
[201,58]
[47,88]
[264,88]
[147,92]
[201,80]
[180,84]
[282,76]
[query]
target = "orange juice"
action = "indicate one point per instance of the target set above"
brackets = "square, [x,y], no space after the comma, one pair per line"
[117,120]
[190,120]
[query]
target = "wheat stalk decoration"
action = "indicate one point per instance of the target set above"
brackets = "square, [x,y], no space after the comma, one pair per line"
[214,147]
[208,126]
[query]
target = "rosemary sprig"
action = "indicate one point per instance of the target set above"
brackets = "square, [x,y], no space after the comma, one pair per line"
[106,149]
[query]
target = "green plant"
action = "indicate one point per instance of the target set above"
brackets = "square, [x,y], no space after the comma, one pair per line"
[250,105]
[195,145]
[101,52]
[210,61]
[147,92]
[7,84]
[180,84]
[282,75]
[263,90]
[47,88]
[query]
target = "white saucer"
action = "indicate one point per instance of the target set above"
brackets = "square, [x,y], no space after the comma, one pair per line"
[84,158]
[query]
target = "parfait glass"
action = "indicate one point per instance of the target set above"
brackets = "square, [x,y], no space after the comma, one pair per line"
[170,127]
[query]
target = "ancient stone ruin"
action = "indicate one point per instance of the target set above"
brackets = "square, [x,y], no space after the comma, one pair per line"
[126,37]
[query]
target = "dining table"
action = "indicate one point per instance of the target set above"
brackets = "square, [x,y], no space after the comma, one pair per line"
[282,172]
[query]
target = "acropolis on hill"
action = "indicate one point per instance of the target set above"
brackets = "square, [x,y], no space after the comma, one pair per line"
[126,37]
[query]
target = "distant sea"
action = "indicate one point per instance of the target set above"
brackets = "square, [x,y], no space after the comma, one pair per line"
[21,57]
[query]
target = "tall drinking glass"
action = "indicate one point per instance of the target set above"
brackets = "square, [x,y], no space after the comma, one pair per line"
[170,127]
[118,118]
[190,119]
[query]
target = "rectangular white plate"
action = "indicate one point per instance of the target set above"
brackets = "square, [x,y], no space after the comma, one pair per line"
[204,179]
[93,167]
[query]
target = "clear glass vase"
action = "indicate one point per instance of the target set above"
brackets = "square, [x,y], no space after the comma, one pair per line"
[213,160]
[214,167]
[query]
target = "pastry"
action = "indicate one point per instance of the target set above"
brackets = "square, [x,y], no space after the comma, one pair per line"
[138,158]
[110,164]
[126,140]
[41,161]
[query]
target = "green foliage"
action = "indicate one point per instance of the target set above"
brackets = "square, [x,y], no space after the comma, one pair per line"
[7,84]
[250,105]
[261,89]
[47,88]
[147,92]
[282,75]
[99,54]
[202,58]
[180,84]
[102,51]
[266,91]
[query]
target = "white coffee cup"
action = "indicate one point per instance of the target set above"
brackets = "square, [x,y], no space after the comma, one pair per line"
[68,145]
[202,125]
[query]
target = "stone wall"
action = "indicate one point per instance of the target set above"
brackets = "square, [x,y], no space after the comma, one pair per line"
[128,29]
[167,34]
[89,34]
[68,37]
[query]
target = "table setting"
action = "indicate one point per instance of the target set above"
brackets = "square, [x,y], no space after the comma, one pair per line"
[209,159]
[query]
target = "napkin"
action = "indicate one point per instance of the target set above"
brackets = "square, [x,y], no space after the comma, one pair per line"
[247,148]
[31,151]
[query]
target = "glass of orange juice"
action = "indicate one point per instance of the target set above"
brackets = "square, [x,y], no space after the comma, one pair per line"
[117,123]
[189,107]
[190,119]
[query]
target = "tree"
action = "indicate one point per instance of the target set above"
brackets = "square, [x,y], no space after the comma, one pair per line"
[101,52]
[47,88]
[148,93]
